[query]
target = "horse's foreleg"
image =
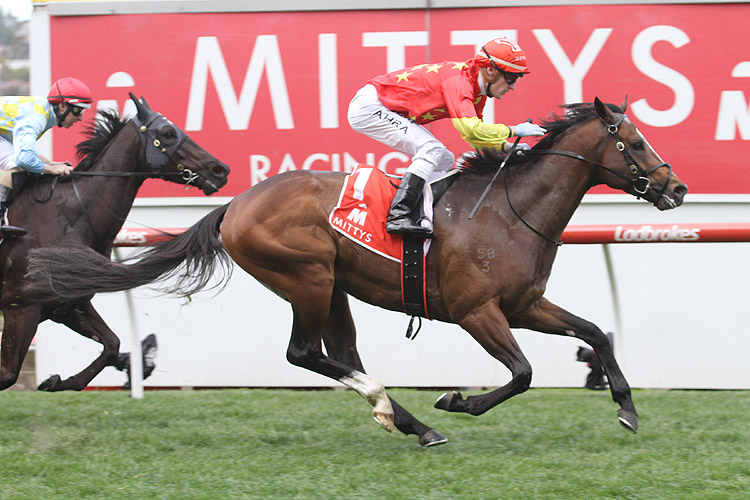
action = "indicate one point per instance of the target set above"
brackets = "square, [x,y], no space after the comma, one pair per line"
[340,340]
[546,317]
[18,331]
[84,319]
[488,326]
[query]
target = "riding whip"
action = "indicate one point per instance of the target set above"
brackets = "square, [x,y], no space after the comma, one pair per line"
[487,189]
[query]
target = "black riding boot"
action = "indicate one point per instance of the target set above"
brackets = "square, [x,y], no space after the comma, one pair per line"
[404,203]
[8,231]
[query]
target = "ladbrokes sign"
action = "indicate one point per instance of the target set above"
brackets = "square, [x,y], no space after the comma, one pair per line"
[268,92]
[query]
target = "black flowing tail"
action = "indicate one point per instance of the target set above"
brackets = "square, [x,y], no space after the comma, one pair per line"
[189,261]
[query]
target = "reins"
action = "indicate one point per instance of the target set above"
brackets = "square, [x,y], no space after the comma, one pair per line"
[84,210]
[640,181]
[510,204]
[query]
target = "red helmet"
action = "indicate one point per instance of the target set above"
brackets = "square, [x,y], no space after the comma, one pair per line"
[504,54]
[70,90]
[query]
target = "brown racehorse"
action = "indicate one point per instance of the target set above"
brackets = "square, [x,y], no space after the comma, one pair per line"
[278,231]
[87,209]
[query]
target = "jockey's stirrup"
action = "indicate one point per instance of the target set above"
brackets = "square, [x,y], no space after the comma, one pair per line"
[404,203]
[6,230]
[11,231]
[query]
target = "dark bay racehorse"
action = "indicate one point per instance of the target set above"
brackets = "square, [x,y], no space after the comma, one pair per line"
[88,209]
[278,231]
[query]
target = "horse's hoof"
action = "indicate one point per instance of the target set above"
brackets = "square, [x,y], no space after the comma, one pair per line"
[629,420]
[448,401]
[49,384]
[432,438]
[385,420]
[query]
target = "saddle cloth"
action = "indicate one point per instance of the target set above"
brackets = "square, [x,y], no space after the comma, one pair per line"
[361,211]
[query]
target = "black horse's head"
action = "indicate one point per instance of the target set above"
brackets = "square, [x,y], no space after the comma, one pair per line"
[171,154]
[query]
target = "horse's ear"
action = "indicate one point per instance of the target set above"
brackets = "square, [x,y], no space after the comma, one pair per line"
[624,105]
[142,108]
[603,111]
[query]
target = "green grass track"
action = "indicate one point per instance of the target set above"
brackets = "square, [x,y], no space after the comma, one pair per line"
[280,444]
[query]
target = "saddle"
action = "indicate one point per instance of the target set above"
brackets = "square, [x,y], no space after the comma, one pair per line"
[19,181]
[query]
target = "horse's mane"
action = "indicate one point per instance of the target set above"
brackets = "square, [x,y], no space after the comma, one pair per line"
[487,161]
[99,133]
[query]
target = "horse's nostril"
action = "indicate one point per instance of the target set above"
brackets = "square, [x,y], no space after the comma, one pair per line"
[681,190]
[220,170]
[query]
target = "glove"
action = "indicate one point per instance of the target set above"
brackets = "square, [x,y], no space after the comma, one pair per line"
[519,147]
[526,129]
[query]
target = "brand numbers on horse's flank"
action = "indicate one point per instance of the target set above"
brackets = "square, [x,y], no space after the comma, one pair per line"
[485,255]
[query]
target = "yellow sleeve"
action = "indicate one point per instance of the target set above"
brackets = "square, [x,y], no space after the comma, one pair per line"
[482,135]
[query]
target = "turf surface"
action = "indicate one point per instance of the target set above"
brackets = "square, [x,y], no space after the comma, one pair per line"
[282,444]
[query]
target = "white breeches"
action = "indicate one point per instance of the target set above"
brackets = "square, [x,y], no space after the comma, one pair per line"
[370,117]
[7,152]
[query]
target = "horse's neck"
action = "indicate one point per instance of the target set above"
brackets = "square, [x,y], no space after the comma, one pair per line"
[108,199]
[553,187]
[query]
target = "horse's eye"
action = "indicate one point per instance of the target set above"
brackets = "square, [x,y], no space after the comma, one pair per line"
[168,133]
[638,145]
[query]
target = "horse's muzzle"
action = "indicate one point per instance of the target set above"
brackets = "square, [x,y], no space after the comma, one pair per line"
[216,179]
[672,198]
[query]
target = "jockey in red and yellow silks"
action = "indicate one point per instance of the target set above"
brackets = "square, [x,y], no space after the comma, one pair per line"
[430,92]
[393,108]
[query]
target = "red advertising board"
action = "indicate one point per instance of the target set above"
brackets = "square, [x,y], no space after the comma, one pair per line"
[268,92]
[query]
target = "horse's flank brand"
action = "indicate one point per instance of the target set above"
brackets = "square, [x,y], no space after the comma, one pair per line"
[648,233]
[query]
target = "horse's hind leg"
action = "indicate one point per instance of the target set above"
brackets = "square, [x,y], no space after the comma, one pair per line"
[340,339]
[546,317]
[18,331]
[311,306]
[84,319]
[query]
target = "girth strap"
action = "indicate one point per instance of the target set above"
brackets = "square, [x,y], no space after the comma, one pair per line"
[412,276]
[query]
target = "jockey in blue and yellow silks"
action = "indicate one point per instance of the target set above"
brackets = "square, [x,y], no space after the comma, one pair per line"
[23,120]
[393,108]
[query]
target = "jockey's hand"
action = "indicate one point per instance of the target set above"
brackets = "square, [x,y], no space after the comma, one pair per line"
[519,147]
[58,168]
[526,129]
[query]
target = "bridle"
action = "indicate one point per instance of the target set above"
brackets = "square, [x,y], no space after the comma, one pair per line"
[639,180]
